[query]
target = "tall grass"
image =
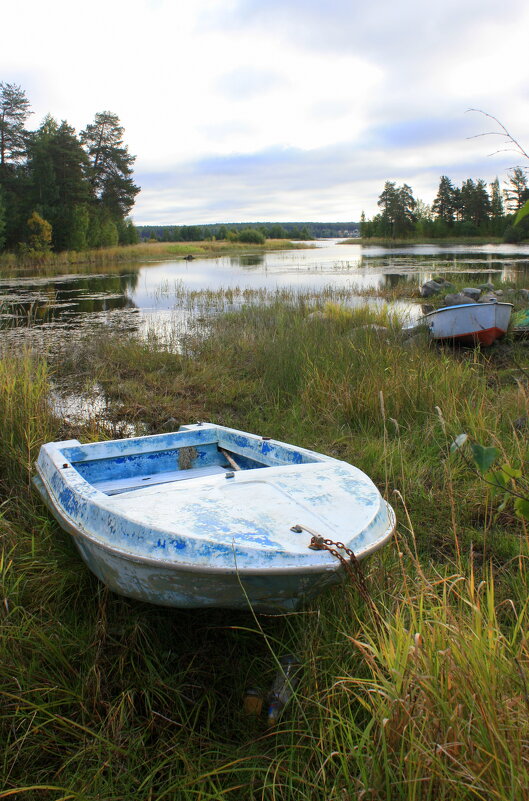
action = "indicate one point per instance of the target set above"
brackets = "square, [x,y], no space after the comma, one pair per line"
[25,416]
[434,704]
[106,698]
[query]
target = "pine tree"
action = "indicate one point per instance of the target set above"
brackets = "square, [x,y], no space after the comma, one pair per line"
[2,220]
[43,192]
[14,111]
[517,191]
[481,207]
[458,203]
[496,202]
[398,209]
[405,212]
[82,186]
[475,202]
[388,201]
[58,170]
[466,199]
[444,205]
[110,164]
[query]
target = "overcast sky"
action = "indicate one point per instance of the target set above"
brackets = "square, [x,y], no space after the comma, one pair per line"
[275,110]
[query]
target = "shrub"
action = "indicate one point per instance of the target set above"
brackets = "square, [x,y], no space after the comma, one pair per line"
[251,236]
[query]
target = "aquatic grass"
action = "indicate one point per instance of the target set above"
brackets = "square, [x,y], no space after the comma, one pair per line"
[336,363]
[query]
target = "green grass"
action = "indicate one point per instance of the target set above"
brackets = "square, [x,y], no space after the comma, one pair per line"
[107,698]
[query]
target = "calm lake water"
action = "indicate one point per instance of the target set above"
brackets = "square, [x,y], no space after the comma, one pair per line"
[164,293]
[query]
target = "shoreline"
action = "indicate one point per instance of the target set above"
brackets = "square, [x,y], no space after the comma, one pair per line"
[12,265]
[449,240]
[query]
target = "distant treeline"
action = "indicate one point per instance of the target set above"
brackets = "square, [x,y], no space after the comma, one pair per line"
[473,209]
[246,232]
[60,190]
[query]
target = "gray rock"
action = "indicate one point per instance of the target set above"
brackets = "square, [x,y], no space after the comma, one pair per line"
[488,297]
[499,293]
[471,292]
[444,283]
[456,299]
[431,288]
[524,293]
[486,287]
[426,308]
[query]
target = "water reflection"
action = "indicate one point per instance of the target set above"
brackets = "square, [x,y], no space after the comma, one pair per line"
[39,301]
[251,260]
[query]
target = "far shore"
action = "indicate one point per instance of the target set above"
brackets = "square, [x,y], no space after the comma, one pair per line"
[49,263]
[449,240]
[113,258]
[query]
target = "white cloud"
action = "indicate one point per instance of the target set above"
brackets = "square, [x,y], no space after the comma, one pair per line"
[293,105]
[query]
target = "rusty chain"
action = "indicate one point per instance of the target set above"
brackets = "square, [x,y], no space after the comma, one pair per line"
[352,567]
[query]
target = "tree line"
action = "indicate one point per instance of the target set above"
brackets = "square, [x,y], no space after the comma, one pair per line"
[60,190]
[234,231]
[472,209]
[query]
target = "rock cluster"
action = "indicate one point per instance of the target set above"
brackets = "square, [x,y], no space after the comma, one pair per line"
[435,287]
[484,293]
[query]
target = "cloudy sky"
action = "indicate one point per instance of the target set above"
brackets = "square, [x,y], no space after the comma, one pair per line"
[275,110]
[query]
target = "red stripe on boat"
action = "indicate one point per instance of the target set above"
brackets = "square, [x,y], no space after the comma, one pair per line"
[485,337]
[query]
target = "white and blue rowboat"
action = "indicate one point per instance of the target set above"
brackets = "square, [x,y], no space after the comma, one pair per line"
[210,516]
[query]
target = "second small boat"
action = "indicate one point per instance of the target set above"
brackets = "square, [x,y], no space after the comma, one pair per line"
[469,323]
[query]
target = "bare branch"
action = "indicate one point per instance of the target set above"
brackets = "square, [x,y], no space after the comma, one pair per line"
[504,132]
[487,133]
[507,150]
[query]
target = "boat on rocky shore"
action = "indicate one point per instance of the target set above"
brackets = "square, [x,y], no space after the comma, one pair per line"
[469,323]
[211,516]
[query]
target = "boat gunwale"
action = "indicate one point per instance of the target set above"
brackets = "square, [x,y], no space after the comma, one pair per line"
[78,531]
[466,306]
[216,431]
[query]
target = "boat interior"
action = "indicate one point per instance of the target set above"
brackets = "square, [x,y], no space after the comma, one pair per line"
[148,461]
